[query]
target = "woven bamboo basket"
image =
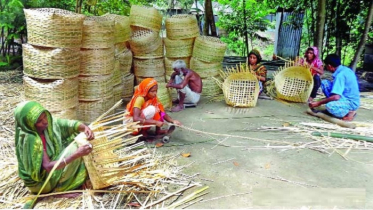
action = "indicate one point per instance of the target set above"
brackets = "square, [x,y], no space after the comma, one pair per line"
[144,41]
[88,111]
[158,78]
[146,17]
[158,53]
[98,32]
[97,61]
[168,65]
[293,83]
[121,47]
[123,61]
[54,95]
[164,95]
[50,63]
[52,27]
[205,69]
[210,88]
[70,113]
[117,77]
[128,84]
[95,87]
[182,27]
[117,92]
[178,48]
[148,67]
[209,49]
[122,29]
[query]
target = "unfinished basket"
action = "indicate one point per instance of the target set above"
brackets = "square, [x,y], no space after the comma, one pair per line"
[178,48]
[182,27]
[158,53]
[123,61]
[50,63]
[145,17]
[168,65]
[54,95]
[210,88]
[97,61]
[117,77]
[98,32]
[128,84]
[148,67]
[70,113]
[293,83]
[92,88]
[164,95]
[122,29]
[209,49]
[52,27]
[144,41]
[88,111]
[158,78]
[205,69]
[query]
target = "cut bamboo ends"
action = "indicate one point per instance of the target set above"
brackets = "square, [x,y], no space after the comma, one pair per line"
[178,48]
[182,27]
[98,32]
[145,17]
[209,49]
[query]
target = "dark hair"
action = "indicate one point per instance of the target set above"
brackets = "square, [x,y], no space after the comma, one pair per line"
[258,56]
[310,48]
[333,60]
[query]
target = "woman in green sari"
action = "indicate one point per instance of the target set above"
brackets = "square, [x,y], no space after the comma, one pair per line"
[40,141]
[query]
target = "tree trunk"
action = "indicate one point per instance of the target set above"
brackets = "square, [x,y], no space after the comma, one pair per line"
[209,20]
[364,37]
[245,27]
[320,24]
[78,6]
[338,37]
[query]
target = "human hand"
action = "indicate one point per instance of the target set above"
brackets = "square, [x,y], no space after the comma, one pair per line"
[89,133]
[159,124]
[176,122]
[314,104]
[84,150]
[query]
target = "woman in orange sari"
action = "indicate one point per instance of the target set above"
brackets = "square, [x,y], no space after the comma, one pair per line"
[145,107]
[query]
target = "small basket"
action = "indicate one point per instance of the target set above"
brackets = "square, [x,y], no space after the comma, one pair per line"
[70,113]
[144,41]
[148,67]
[209,49]
[182,27]
[145,17]
[88,111]
[123,61]
[95,87]
[128,84]
[50,63]
[54,95]
[205,69]
[52,27]
[117,77]
[164,95]
[158,53]
[158,78]
[97,61]
[122,29]
[98,32]
[168,65]
[117,92]
[178,48]
[210,88]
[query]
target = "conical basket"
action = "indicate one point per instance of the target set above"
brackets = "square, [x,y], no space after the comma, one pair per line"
[145,17]
[182,27]
[209,49]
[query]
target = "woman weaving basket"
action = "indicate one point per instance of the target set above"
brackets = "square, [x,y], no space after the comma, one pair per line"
[40,142]
[254,59]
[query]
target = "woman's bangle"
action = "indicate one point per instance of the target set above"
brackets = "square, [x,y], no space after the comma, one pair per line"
[64,161]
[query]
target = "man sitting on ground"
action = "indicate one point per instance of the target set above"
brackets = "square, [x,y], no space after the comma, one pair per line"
[189,88]
[342,94]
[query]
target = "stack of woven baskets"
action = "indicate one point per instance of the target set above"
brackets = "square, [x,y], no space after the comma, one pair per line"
[97,78]
[51,59]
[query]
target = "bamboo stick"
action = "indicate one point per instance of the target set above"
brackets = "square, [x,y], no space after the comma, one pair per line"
[331,119]
[343,135]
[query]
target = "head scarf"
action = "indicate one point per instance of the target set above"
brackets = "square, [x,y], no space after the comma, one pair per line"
[316,62]
[142,91]
[257,54]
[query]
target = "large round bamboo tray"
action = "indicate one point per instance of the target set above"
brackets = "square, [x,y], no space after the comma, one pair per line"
[50,63]
[52,27]
[70,113]
[144,41]
[148,67]
[168,65]
[123,61]
[209,49]
[117,77]
[210,88]
[88,111]
[145,17]
[158,78]
[98,32]
[158,53]
[54,95]
[182,27]
[95,87]
[164,95]
[97,61]
[205,69]
[128,84]
[122,29]
[294,83]
[117,92]
[178,48]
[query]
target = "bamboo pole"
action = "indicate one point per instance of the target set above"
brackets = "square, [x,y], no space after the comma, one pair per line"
[331,119]
[343,135]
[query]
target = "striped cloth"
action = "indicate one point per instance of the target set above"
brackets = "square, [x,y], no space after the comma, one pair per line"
[338,108]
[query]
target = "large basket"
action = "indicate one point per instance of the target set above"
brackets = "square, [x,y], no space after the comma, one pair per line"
[293,83]
[51,27]
[117,92]
[117,77]
[54,95]
[209,49]
[122,29]
[164,95]
[144,41]
[205,69]
[123,61]
[210,88]
[168,65]
[148,67]
[89,111]
[50,63]
[178,48]
[145,17]
[158,78]
[70,113]
[158,53]
[95,87]
[128,84]
[97,61]
[182,27]
[98,32]
[121,47]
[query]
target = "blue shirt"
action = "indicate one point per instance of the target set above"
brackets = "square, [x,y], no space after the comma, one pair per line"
[345,84]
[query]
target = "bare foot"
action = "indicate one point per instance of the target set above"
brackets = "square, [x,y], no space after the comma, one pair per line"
[350,116]
[177,108]
[68,195]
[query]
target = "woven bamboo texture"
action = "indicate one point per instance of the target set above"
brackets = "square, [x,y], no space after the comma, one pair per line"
[205,69]
[117,77]
[178,48]
[158,78]
[122,29]
[54,95]
[97,61]
[210,88]
[158,53]
[50,63]
[209,49]
[98,32]
[182,27]
[70,113]
[164,95]
[88,111]
[121,47]
[240,87]
[144,41]
[117,92]
[51,27]
[168,65]
[128,84]
[293,83]
[145,17]
[92,88]
[123,61]
[148,67]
